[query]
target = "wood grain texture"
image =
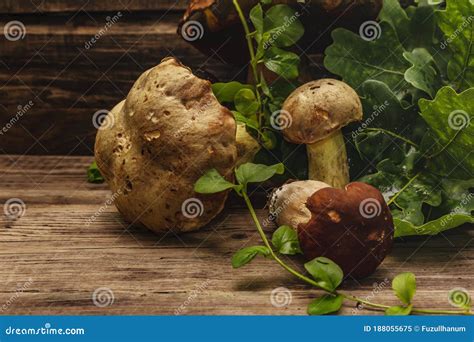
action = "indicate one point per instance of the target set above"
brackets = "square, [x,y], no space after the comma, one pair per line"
[54,6]
[68,82]
[52,260]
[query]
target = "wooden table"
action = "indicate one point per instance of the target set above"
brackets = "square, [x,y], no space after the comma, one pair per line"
[52,261]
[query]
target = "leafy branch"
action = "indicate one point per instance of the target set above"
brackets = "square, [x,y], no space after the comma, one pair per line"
[324,273]
[273,29]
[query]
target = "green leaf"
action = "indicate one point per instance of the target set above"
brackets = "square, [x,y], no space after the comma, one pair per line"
[326,272]
[281,62]
[455,210]
[225,92]
[404,285]
[399,310]
[246,102]
[415,27]
[249,121]
[422,75]
[423,189]
[433,227]
[348,57]
[256,173]
[212,182]
[450,117]
[428,205]
[457,23]
[93,174]
[325,305]
[285,240]
[247,254]
[256,16]
[282,26]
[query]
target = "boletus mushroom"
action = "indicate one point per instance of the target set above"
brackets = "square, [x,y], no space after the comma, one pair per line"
[351,226]
[318,110]
[167,132]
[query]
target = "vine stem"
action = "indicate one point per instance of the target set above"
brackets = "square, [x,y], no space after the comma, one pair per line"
[314,283]
[403,189]
[253,61]
[395,135]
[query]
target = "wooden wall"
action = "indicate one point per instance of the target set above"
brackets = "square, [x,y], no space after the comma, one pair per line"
[66,82]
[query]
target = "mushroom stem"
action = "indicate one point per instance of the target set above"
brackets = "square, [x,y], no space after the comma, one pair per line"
[327,161]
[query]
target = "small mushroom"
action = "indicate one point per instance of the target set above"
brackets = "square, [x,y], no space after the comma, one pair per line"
[318,110]
[351,226]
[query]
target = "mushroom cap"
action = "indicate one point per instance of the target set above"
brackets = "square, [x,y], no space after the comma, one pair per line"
[287,203]
[353,227]
[169,130]
[318,109]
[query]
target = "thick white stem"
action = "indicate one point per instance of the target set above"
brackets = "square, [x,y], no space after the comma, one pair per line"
[327,161]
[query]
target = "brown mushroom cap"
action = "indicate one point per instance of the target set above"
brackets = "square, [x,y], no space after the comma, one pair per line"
[319,108]
[168,131]
[353,227]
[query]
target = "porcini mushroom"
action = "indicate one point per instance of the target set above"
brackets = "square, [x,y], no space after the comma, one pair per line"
[351,226]
[169,130]
[318,110]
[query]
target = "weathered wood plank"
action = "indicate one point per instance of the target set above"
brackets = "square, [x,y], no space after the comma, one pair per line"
[68,82]
[53,6]
[52,260]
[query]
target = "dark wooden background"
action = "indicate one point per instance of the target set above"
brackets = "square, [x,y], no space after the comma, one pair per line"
[69,83]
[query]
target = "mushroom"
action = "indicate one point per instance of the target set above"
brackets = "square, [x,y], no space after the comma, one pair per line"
[318,110]
[247,146]
[156,143]
[351,226]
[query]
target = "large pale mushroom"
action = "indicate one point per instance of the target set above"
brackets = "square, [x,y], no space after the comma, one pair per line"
[158,142]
